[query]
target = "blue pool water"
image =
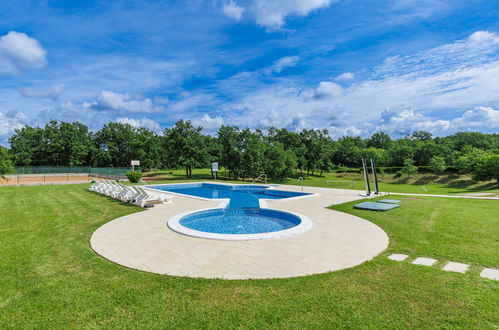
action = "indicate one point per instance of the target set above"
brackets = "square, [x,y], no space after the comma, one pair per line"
[240,221]
[241,196]
[242,215]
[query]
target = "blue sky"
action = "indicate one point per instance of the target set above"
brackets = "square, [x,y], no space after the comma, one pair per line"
[354,67]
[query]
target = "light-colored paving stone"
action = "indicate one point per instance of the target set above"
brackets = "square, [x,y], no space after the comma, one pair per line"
[490,273]
[456,267]
[336,241]
[398,257]
[424,261]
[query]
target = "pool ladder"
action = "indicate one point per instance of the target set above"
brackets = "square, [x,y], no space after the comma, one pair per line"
[301,179]
[265,175]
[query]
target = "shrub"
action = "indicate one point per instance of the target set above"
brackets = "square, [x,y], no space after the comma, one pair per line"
[134,176]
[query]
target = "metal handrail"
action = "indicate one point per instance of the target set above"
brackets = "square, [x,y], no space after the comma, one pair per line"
[301,179]
[263,174]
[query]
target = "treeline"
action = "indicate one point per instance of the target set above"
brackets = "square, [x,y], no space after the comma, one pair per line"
[246,153]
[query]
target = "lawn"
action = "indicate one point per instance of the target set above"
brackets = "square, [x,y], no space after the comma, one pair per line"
[52,278]
[423,183]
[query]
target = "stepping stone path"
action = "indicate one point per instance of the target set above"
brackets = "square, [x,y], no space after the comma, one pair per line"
[490,273]
[398,257]
[456,267]
[424,261]
[451,266]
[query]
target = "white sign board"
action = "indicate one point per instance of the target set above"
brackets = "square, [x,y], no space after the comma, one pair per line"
[214,167]
[135,162]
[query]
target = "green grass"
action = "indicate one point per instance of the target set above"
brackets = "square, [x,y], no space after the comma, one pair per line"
[51,278]
[426,183]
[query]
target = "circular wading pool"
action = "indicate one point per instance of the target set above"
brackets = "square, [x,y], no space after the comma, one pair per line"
[239,224]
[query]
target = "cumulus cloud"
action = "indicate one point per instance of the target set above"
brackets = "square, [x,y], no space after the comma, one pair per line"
[142,122]
[18,50]
[9,122]
[122,102]
[52,92]
[272,14]
[232,10]
[209,124]
[328,89]
[347,76]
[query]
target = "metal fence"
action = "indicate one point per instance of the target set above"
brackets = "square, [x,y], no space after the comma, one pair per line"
[68,172]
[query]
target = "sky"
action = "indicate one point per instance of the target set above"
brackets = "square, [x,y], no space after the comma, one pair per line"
[354,67]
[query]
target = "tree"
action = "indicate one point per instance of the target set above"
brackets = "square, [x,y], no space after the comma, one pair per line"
[380,140]
[116,142]
[468,159]
[6,165]
[279,163]
[184,146]
[487,168]
[399,152]
[437,164]
[231,155]
[409,168]
[420,136]
[27,146]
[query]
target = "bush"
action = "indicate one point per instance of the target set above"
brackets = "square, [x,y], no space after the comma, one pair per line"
[134,176]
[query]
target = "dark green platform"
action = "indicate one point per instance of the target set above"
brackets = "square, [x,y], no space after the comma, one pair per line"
[374,206]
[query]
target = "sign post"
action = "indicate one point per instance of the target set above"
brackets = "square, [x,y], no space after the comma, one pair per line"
[214,168]
[134,163]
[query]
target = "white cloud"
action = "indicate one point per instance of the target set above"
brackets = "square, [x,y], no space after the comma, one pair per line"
[122,102]
[272,14]
[347,76]
[209,124]
[328,89]
[232,10]
[284,62]
[52,93]
[17,50]
[143,122]
[9,122]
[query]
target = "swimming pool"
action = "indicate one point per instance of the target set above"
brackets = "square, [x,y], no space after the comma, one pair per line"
[241,218]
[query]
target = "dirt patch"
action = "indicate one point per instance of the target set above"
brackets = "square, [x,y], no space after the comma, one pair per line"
[46,179]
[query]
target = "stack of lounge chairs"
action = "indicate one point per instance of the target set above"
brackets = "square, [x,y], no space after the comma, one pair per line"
[130,194]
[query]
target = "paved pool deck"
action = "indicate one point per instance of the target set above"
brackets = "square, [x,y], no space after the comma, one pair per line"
[336,241]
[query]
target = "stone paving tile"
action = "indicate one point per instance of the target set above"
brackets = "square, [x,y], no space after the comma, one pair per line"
[490,273]
[456,267]
[424,261]
[335,241]
[398,257]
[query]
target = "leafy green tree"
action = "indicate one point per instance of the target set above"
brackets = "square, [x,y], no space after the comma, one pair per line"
[27,146]
[231,153]
[148,148]
[279,163]
[6,165]
[420,136]
[487,168]
[409,168]
[380,140]
[468,159]
[252,150]
[67,144]
[184,146]
[379,155]
[117,141]
[437,164]
[400,151]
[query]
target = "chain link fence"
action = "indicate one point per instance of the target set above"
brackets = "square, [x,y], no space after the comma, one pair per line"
[47,174]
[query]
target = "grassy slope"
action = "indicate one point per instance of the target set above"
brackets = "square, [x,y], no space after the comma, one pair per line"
[418,184]
[52,278]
